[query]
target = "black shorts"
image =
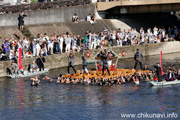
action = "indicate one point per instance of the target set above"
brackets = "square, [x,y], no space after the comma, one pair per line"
[21,23]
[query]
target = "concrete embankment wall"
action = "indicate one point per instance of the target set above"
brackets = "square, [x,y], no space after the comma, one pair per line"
[62,14]
[57,60]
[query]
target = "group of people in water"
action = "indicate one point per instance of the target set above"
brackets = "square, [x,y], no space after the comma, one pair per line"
[99,79]
[120,76]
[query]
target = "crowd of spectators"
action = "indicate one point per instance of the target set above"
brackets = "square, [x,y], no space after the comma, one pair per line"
[59,43]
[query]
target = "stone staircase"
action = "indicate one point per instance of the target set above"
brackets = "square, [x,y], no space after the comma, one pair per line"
[83,26]
[63,27]
[27,33]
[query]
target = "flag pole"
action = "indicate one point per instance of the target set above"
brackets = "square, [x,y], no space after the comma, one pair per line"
[162,72]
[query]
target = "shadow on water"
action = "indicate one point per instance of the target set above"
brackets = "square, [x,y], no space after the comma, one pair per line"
[19,100]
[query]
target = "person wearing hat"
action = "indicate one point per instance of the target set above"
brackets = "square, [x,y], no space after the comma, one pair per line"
[138,56]
[84,65]
[70,61]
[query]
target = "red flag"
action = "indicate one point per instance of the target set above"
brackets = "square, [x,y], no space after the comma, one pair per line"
[20,58]
[162,72]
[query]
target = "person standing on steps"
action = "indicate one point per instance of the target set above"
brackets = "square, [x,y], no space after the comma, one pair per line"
[138,56]
[70,61]
[21,20]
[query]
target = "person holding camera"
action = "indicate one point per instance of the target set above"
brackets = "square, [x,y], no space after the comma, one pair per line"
[21,20]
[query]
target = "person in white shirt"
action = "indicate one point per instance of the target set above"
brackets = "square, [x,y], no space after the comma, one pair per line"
[121,35]
[93,41]
[75,18]
[38,48]
[119,42]
[132,41]
[61,39]
[34,47]
[112,37]
[90,36]
[155,31]
[89,19]
[126,38]
[109,63]
[102,36]
[142,31]
[68,43]
[163,33]
[11,55]
[74,43]
[142,38]
[148,31]
[45,38]
[25,44]
[50,46]
[151,38]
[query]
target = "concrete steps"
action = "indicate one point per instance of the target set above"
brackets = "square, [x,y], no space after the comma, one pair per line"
[73,28]
[10,32]
[26,32]
[83,26]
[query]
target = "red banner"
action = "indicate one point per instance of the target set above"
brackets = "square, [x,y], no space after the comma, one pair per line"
[162,72]
[20,59]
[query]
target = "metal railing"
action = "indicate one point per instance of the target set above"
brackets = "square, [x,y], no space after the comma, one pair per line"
[38,6]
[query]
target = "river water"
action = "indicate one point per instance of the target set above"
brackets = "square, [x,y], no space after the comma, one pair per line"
[51,101]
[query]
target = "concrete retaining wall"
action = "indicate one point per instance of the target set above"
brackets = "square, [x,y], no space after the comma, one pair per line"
[57,61]
[62,14]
